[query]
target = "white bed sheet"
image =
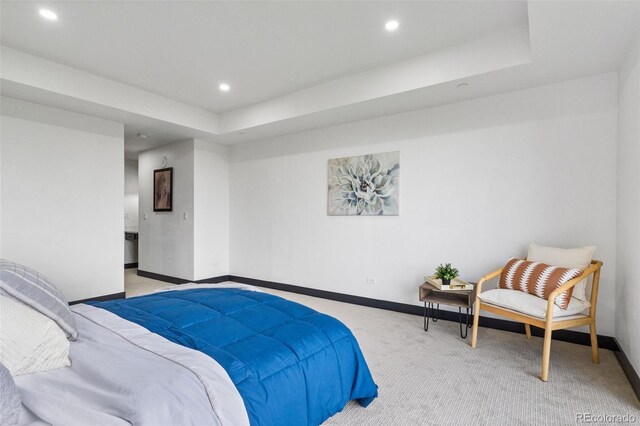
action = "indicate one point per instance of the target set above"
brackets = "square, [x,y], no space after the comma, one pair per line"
[123,374]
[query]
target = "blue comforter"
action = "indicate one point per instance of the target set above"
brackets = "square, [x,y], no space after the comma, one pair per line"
[291,364]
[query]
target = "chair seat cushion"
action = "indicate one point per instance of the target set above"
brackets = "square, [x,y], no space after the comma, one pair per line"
[529,304]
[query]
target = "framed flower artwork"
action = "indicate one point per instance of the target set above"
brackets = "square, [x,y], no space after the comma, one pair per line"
[365,185]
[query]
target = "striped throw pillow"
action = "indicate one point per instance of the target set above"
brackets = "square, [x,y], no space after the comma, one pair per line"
[37,291]
[538,279]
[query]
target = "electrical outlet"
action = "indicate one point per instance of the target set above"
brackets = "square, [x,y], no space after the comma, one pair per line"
[371,280]
[145,216]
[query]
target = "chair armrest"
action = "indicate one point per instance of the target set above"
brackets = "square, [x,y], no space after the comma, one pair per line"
[487,277]
[595,266]
[566,286]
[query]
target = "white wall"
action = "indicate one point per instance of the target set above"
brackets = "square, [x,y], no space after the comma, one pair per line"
[479,181]
[211,210]
[62,180]
[165,239]
[131,194]
[196,247]
[130,209]
[628,231]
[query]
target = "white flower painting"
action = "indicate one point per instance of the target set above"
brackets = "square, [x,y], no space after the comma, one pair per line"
[366,185]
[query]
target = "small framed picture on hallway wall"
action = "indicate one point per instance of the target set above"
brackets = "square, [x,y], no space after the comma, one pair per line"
[163,190]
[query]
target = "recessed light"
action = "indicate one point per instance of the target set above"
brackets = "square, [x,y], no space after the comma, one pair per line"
[392,25]
[224,87]
[48,14]
[463,85]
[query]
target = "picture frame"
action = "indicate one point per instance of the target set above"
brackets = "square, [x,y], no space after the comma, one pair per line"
[163,190]
[364,185]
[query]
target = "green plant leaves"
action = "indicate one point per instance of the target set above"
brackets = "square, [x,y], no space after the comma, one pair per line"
[446,272]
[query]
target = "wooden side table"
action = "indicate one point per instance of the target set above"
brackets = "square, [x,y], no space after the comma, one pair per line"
[461,298]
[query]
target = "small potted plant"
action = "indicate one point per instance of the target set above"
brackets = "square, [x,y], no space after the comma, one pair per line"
[446,273]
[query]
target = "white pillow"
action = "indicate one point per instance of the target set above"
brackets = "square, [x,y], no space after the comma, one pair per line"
[10,399]
[529,304]
[39,292]
[29,341]
[567,258]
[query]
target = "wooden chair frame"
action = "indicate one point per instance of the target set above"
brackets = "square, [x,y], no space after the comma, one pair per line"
[548,324]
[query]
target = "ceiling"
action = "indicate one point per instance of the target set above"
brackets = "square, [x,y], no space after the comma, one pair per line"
[182,50]
[294,66]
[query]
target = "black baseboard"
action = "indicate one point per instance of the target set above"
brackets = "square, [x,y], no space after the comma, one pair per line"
[131,265]
[605,342]
[214,280]
[340,297]
[629,371]
[175,280]
[106,297]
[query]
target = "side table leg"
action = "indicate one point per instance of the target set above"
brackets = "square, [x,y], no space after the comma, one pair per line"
[435,316]
[426,321]
[466,328]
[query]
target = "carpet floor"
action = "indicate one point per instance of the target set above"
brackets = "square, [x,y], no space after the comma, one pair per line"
[435,378]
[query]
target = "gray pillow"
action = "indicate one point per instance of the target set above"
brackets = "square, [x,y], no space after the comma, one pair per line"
[35,290]
[9,398]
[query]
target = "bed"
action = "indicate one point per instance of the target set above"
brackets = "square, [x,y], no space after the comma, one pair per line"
[215,354]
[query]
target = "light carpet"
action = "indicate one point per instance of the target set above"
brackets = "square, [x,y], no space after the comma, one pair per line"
[435,378]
